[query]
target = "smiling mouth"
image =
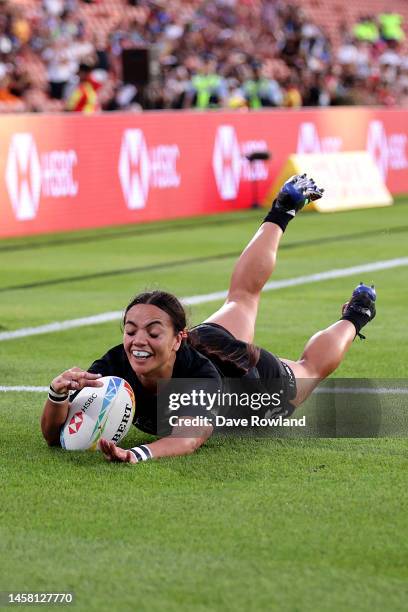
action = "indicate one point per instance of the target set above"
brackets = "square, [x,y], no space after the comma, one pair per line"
[141,354]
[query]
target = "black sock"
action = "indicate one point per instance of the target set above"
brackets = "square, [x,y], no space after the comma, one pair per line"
[358,319]
[278,216]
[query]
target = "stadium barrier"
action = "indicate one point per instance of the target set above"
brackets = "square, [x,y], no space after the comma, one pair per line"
[66,172]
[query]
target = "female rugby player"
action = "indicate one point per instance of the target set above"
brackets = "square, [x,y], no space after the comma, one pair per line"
[157,346]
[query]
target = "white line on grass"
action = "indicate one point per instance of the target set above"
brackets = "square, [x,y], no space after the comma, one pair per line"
[207,297]
[5,389]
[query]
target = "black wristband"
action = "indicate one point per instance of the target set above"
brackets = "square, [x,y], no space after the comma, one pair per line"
[358,321]
[142,453]
[54,396]
[279,217]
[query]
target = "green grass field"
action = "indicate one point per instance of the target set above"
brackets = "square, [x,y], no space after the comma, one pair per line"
[244,524]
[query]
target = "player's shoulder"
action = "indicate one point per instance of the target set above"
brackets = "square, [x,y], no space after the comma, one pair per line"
[115,354]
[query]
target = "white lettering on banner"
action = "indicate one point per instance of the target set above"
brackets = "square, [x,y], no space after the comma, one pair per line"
[58,174]
[141,168]
[28,175]
[310,142]
[397,146]
[163,160]
[388,151]
[230,165]
[256,170]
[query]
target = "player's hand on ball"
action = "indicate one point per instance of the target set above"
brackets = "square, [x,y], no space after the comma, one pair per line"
[114,453]
[75,379]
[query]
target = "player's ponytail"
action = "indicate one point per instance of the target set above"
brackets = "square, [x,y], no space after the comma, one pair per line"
[234,361]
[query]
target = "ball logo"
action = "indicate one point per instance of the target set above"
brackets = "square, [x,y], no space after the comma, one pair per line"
[75,423]
[23,176]
[134,169]
[227,162]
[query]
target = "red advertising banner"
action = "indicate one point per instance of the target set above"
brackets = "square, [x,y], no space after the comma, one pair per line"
[65,172]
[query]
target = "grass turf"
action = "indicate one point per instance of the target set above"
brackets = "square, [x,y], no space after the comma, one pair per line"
[256,524]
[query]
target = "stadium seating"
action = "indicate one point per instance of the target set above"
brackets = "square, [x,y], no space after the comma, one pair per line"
[104,18]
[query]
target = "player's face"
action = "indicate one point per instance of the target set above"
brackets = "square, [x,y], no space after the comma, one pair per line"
[150,341]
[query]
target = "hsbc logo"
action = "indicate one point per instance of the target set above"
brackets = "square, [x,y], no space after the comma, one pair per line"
[310,142]
[227,162]
[388,151]
[23,176]
[134,169]
[75,423]
[377,146]
[30,175]
[230,165]
[141,168]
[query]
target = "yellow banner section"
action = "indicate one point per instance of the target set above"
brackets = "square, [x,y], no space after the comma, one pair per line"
[350,180]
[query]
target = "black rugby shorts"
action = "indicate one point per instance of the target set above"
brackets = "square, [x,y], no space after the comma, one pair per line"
[269,367]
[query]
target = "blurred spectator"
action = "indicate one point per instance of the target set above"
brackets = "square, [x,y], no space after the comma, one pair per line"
[261,91]
[54,7]
[391,27]
[61,67]
[8,101]
[292,97]
[20,27]
[123,98]
[101,52]
[84,98]
[177,83]
[207,89]
[315,92]
[366,29]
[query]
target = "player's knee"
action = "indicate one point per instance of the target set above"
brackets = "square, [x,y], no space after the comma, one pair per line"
[313,368]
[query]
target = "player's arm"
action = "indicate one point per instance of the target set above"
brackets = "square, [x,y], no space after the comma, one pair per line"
[56,407]
[182,441]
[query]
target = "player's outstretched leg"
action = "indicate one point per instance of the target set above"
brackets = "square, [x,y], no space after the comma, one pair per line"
[326,350]
[257,261]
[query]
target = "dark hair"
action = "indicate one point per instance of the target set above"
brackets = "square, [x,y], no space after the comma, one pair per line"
[166,302]
[234,362]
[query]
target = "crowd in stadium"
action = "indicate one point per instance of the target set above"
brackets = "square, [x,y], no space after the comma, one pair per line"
[234,54]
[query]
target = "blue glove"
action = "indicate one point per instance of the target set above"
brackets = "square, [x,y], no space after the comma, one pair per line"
[295,193]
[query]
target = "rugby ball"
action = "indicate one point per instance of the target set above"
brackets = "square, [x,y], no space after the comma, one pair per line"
[97,412]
